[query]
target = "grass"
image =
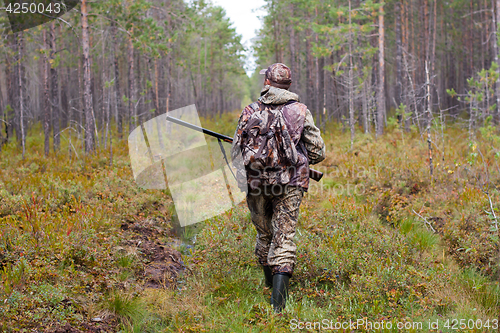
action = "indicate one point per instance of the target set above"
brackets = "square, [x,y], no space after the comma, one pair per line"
[363,252]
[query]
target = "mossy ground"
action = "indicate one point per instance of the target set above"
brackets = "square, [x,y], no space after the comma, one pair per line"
[378,238]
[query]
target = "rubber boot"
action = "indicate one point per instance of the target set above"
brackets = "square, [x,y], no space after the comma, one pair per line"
[280,291]
[268,274]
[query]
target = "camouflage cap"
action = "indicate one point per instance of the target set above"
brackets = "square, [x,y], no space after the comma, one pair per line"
[279,74]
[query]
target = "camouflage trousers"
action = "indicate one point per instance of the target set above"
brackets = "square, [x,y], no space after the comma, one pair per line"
[275,211]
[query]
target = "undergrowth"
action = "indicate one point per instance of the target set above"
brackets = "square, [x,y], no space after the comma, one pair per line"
[378,238]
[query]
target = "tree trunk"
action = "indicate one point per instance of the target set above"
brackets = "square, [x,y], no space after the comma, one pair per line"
[427,30]
[69,95]
[351,78]
[329,100]
[21,95]
[277,47]
[399,53]
[471,39]
[65,108]
[292,50]
[221,97]
[2,118]
[169,82]
[381,75]
[162,86]
[156,92]
[496,20]
[16,115]
[366,84]
[131,85]
[140,104]
[62,96]
[105,92]
[87,92]
[151,91]
[79,115]
[46,98]
[117,94]
[434,39]
[316,76]
[429,119]
[10,73]
[56,112]
[321,86]
[299,86]
[309,72]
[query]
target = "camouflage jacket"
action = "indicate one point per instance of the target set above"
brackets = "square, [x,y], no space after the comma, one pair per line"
[304,134]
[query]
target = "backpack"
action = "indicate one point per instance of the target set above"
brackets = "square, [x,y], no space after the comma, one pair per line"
[266,146]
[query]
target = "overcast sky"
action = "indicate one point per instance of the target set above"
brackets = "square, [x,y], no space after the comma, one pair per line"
[244,16]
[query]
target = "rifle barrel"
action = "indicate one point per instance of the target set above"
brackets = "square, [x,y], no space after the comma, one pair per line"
[200,129]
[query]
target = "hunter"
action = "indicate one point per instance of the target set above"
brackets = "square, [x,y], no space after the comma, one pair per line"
[277,140]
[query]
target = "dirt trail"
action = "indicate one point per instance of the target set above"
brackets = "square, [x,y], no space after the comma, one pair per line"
[163,264]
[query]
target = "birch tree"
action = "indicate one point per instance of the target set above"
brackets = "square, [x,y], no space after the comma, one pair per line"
[87,92]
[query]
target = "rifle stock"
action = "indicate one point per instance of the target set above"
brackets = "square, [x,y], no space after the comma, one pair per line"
[313,174]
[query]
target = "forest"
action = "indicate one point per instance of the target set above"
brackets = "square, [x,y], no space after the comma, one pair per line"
[357,61]
[402,229]
[124,63]
[354,62]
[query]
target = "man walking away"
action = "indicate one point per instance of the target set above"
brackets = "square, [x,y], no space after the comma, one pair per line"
[277,140]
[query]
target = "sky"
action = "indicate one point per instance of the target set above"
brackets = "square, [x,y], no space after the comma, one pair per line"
[244,16]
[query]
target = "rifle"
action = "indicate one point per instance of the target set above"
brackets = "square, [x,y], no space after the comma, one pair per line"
[313,174]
